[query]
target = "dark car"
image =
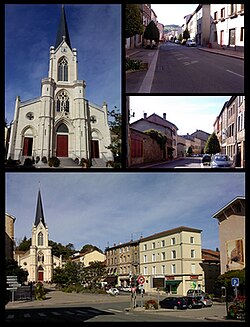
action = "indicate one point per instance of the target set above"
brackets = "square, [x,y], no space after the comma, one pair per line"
[221,161]
[194,302]
[206,159]
[172,302]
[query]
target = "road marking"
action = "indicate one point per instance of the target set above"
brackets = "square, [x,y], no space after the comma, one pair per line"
[234,73]
[114,310]
[56,313]
[41,314]
[26,315]
[10,317]
[69,312]
[148,79]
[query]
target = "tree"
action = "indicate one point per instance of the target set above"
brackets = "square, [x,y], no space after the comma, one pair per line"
[24,244]
[212,145]
[93,274]
[133,20]
[186,34]
[189,151]
[151,32]
[89,247]
[12,269]
[115,147]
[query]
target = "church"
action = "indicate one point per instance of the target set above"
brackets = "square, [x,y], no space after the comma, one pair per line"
[39,260]
[61,122]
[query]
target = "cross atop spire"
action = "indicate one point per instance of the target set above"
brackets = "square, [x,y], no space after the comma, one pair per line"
[39,210]
[62,33]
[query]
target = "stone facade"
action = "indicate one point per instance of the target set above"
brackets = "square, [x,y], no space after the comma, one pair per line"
[9,236]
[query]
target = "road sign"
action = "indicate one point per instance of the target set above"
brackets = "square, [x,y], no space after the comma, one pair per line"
[235,282]
[141,279]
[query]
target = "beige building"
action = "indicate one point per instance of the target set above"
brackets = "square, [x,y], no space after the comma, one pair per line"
[9,236]
[87,257]
[231,220]
[171,260]
[122,262]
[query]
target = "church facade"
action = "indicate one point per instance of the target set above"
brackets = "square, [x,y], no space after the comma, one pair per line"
[39,260]
[61,122]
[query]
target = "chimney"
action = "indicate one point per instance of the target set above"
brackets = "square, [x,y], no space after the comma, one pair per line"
[145,115]
[164,116]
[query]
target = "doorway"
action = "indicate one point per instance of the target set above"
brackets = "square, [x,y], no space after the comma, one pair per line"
[27,146]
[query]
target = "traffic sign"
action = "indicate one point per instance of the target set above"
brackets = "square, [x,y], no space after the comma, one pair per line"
[141,279]
[235,282]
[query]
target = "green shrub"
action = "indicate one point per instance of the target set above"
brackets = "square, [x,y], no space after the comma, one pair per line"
[54,162]
[40,292]
[133,64]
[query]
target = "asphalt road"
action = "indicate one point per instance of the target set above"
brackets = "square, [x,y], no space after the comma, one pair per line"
[181,69]
[75,307]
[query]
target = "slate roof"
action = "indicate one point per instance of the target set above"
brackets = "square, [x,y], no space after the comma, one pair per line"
[62,30]
[39,210]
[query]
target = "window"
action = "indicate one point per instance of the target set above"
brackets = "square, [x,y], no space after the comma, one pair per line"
[145,270]
[153,257]
[173,268]
[173,241]
[191,239]
[173,254]
[40,239]
[222,13]
[145,259]
[193,268]
[163,269]
[242,34]
[145,247]
[192,253]
[153,245]
[163,256]
[62,101]
[163,243]
[63,70]
[232,36]
[153,270]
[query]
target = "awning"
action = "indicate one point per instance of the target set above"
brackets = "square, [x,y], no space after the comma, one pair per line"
[111,279]
[173,282]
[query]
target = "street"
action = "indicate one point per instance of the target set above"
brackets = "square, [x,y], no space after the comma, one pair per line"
[187,162]
[176,68]
[100,308]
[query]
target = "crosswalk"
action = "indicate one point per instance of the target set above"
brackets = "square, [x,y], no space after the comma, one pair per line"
[47,313]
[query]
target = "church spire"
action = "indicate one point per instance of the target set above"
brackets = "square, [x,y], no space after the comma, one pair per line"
[39,210]
[62,32]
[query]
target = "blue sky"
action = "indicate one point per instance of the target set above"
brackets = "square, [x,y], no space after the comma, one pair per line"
[95,31]
[106,208]
[188,113]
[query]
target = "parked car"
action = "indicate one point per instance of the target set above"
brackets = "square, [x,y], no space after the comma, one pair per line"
[206,159]
[193,302]
[192,292]
[190,43]
[205,300]
[113,291]
[221,161]
[172,302]
[177,41]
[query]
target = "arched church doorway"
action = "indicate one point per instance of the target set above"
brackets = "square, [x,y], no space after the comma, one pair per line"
[40,273]
[62,141]
[27,146]
[95,148]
